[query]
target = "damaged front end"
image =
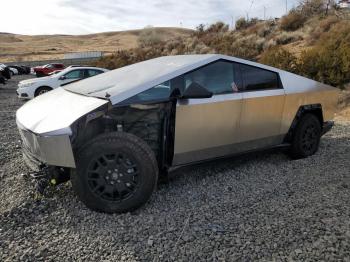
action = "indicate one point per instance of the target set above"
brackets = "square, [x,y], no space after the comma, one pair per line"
[154,123]
[44,125]
[52,154]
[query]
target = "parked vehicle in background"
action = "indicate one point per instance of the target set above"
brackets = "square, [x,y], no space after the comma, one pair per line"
[31,88]
[2,78]
[13,71]
[44,70]
[7,71]
[21,69]
[115,133]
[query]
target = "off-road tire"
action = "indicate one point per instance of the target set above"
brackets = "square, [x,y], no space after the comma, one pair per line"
[114,144]
[42,90]
[306,137]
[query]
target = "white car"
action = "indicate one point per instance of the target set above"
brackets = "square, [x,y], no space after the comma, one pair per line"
[31,88]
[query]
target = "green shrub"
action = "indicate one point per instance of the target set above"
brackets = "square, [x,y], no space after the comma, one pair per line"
[292,21]
[288,37]
[149,36]
[323,26]
[329,60]
[243,23]
[218,27]
[279,57]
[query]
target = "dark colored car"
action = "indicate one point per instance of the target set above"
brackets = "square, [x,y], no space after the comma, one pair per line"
[7,72]
[2,78]
[46,69]
[20,70]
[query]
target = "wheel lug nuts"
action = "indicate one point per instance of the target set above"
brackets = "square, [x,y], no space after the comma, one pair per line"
[109,171]
[118,181]
[127,184]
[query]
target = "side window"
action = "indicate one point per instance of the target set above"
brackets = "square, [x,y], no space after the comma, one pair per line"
[217,77]
[158,92]
[92,72]
[75,74]
[255,79]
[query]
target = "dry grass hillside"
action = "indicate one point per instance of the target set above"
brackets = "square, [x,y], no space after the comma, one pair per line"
[310,40]
[41,47]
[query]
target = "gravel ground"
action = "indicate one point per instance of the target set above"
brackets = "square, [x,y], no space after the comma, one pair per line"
[257,207]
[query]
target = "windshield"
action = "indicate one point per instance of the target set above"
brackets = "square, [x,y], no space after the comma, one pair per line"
[127,81]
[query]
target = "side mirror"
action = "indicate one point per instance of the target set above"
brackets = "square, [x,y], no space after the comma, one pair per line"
[62,78]
[195,90]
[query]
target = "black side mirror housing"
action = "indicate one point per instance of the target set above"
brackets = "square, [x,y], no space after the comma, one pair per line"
[62,78]
[195,90]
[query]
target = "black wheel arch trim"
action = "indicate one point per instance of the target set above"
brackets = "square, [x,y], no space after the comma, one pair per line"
[315,109]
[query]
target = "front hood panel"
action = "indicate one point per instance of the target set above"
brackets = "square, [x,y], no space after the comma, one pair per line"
[34,80]
[52,113]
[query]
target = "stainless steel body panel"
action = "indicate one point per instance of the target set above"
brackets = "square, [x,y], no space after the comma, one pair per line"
[227,124]
[224,150]
[261,117]
[204,124]
[53,113]
[49,150]
[44,125]
[303,91]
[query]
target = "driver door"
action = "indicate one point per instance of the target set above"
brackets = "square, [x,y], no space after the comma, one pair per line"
[208,127]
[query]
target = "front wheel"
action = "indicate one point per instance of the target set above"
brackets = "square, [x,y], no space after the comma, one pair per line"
[306,138]
[116,172]
[42,90]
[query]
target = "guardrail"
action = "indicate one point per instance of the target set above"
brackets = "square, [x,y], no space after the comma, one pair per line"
[66,62]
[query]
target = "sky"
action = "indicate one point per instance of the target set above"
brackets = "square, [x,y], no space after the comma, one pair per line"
[33,17]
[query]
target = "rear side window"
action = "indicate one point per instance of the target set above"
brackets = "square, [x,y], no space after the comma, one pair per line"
[255,79]
[92,72]
[75,74]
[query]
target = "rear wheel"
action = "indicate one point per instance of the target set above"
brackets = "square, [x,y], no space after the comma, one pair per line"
[116,172]
[42,90]
[306,137]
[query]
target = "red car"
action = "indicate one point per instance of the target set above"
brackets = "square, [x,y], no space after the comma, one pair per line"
[45,70]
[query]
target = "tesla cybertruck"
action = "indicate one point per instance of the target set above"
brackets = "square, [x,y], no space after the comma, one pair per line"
[116,133]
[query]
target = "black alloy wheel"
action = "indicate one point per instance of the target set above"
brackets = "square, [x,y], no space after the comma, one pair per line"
[113,176]
[306,137]
[115,172]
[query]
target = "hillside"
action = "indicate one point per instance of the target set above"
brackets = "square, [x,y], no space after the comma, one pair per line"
[310,40]
[15,47]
